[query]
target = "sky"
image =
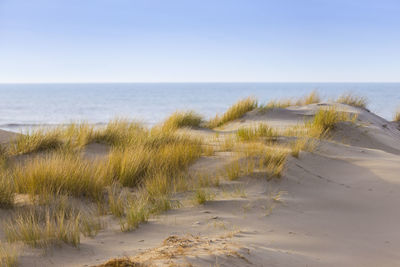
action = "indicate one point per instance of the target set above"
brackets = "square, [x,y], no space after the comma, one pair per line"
[199,41]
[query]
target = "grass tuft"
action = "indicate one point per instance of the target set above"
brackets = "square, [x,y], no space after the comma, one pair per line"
[397,115]
[36,141]
[274,159]
[8,255]
[311,98]
[253,133]
[41,227]
[182,119]
[327,119]
[236,111]
[353,100]
[7,190]
[57,173]
[201,196]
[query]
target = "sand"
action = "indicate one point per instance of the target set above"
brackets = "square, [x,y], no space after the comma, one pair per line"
[337,206]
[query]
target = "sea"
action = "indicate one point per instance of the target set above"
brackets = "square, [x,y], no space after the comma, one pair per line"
[26,106]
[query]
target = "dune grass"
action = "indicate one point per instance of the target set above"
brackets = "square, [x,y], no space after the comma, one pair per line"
[262,130]
[119,132]
[7,190]
[136,213]
[43,226]
[311,98]
[75,136]
[201,196]
[274,159]
[326,120]
[57,173]
[236,111]
[233,170]
[353,100]
[274,104]
[36,141]
[58,221]
[180,119]
[397,115]
[8,255]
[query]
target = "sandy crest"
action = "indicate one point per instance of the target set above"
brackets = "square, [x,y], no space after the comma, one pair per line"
[337,206]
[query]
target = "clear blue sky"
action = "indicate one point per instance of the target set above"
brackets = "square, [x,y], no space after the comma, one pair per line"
[199,41]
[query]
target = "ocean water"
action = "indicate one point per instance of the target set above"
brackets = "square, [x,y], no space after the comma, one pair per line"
[23,106]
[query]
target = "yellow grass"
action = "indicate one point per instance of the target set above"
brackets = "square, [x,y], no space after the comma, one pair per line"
[119,132]
[181,119]
[397,116]
[311,98]
[36,141]
[57,173]
[201,196]
[7,189]
[116,200]
[262,130]
[274,104]
[127,166]
[42,227]
[8,255]
[299,145]
[327,119]
[53,223]
[136,213]
[274,159]
[236,111]
[233,170]
[352,100]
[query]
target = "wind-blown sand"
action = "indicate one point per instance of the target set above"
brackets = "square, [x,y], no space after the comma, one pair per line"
[336,206]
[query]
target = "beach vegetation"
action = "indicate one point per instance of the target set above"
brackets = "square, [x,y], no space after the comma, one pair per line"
[36,141]
[201,196]
[353,100]
[57,173]
[262,130]
[181,119]
[397,115]
[273,160]
[326,120]
[7,190]
[8,255]
[55,222]
[236,111]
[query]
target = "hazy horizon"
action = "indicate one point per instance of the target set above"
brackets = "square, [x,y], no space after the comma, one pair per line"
[184,41]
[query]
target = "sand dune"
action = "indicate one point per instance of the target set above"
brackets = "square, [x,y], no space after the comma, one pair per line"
[337,206]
